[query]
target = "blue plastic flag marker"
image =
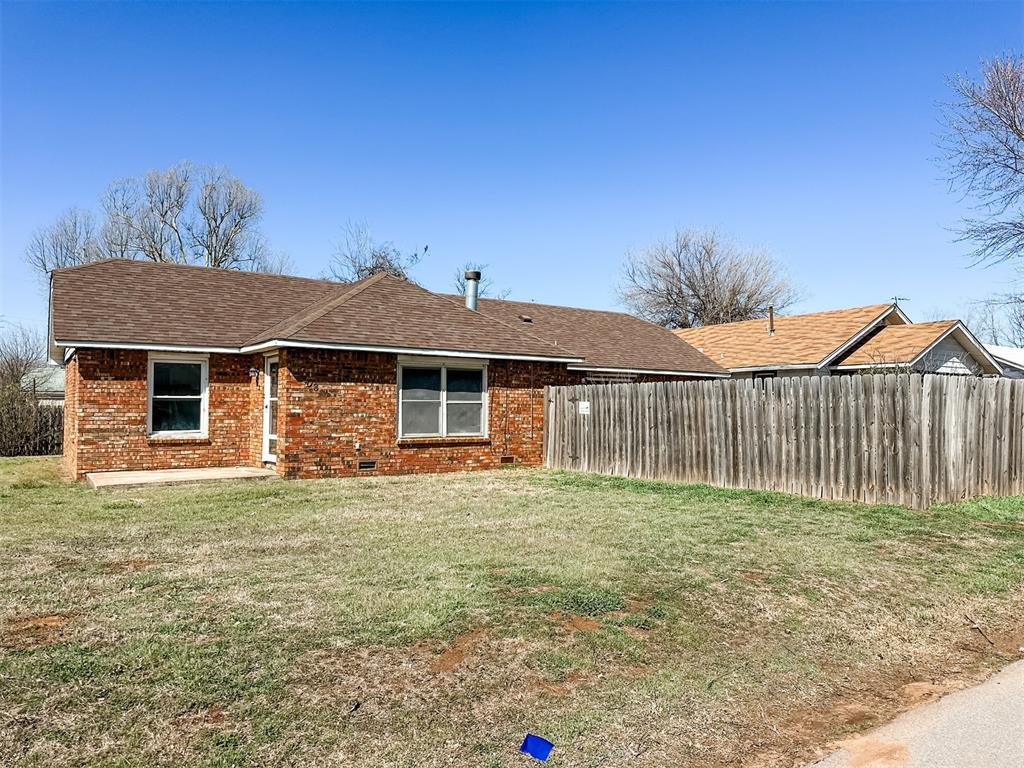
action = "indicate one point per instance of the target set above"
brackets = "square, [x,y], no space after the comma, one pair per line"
[536,747]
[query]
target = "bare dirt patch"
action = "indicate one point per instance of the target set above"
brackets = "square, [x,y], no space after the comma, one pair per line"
[563,687]
[129,566]
[573,622]
[457,651]
[34,630]
[204,718]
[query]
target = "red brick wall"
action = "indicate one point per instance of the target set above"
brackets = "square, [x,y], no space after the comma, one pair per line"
[330,401]
[71,409]
[106,391]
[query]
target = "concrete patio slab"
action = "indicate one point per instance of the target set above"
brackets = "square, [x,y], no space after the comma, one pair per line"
[176,476]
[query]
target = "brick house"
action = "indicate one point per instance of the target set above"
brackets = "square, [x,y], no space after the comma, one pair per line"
[174,366]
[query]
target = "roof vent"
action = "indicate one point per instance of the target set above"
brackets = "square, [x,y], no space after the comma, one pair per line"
[771,319]
[526,318]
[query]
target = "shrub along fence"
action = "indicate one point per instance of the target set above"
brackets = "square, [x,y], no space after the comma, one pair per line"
[27,428]
[884,438]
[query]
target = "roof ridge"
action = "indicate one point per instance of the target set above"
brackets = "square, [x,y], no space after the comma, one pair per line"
[560,306]
[498,320]
[315,311]
[177,264]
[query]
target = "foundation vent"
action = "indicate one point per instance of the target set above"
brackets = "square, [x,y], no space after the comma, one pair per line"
[367,465]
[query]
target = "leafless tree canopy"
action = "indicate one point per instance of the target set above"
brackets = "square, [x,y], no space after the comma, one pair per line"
[984,151]
[186,214]
[21,350]
[486,287]
[699,278]
[999,320]
[359,256]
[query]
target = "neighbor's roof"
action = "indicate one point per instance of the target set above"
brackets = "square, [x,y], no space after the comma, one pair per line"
[896,344]
[799,340]
[611,340]
[45,379]
[138,303]
[1012,356]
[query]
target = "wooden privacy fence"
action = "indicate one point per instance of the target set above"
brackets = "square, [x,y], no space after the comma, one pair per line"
[885,438]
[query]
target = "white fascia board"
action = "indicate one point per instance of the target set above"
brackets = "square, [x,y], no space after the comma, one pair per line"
[862,333]
[279,343]
[275,343]
[143,345]
[647,371]
[868,365]
[1008,363]
[793,367]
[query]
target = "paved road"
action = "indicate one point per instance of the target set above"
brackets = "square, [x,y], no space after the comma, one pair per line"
[981,727]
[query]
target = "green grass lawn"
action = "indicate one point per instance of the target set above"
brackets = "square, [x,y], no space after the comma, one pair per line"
[434,620]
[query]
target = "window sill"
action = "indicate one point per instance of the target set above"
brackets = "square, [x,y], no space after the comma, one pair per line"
[179,439]
[453,440]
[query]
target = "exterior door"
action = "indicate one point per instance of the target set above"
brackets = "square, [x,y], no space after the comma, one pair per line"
[270,409]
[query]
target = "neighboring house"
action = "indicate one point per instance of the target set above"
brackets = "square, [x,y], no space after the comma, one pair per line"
[1010,358]
[875,338]
[46,384]
[174,366]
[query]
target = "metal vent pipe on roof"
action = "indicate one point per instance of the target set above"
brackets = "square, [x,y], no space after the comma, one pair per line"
[771,319]
[472,288]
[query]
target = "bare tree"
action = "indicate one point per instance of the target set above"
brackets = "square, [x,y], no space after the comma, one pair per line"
[984,153]
[700,278]
[359,256]
[70,240]
[486,287]
[999,320]
[185,214]
[21,350]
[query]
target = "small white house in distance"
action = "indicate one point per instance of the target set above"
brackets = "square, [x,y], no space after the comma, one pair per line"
[1010,358]
[46,384]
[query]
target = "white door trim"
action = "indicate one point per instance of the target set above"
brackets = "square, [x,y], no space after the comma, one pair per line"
[268,432]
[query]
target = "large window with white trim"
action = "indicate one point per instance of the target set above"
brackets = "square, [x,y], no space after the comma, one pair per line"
[178,396]
[442,399]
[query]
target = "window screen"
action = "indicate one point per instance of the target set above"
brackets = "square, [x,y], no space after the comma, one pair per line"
[421,401]
[439,401]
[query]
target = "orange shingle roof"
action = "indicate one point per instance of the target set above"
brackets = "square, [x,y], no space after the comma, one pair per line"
[898,343]
[798,339]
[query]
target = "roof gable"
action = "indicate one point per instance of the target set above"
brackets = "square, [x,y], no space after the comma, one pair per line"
[807,340]
[905,345]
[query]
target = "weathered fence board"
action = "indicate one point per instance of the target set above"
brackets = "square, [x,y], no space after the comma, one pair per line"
[885,438]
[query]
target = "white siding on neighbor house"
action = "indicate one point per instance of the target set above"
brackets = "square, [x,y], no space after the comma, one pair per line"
[948,356]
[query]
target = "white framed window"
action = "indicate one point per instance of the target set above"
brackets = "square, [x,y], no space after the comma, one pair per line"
[442,398]
[177,403]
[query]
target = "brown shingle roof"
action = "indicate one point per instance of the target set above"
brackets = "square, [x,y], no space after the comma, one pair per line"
[605,339]
[137,302]
[896,344]
[144,302]
[798,339]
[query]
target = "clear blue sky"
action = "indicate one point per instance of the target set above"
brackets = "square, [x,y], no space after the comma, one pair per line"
[544,140]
